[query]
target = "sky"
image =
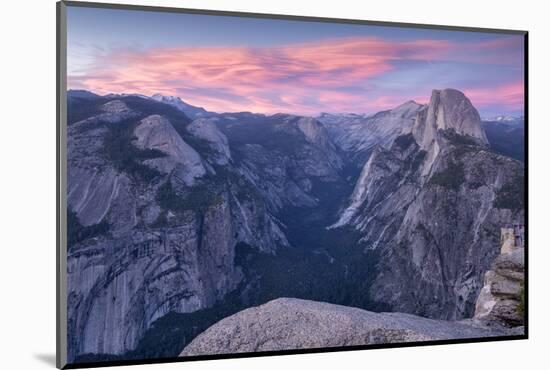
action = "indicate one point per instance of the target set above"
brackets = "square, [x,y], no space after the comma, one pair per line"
[228,64]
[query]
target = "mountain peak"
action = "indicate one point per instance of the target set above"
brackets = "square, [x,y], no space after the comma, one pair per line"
[407,104]
[408,108]
[189,110]
[448,109]
[160,97]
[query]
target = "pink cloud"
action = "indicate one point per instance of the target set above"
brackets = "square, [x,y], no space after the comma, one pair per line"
[300,78]
[510,95]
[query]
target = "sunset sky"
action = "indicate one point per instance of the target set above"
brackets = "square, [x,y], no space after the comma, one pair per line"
[261,65]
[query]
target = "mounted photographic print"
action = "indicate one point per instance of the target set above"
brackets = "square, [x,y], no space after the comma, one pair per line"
[235,184]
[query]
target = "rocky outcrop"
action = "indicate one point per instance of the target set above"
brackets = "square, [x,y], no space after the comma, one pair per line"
[287,324]
[206,129]
[502,297]
[157,133]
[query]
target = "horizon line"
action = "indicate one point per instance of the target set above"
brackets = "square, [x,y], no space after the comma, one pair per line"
[363,113]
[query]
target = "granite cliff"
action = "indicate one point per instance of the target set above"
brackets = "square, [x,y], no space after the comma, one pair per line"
[433,204]
[158,204]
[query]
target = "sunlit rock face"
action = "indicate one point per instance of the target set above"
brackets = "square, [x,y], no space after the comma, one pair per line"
[448,109]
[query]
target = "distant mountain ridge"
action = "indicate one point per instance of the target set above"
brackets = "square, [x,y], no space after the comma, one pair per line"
[190,110]
[507,136]
[357,133]
[505,118]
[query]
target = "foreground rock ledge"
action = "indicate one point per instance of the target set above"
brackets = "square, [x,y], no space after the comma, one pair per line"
[288,323]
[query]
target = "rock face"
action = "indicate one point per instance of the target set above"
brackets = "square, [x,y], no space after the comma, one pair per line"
[502,296]
[94,185]
[432,205]
[286,324]
[206,129]
[357,135]
[157,133]
[448,109]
